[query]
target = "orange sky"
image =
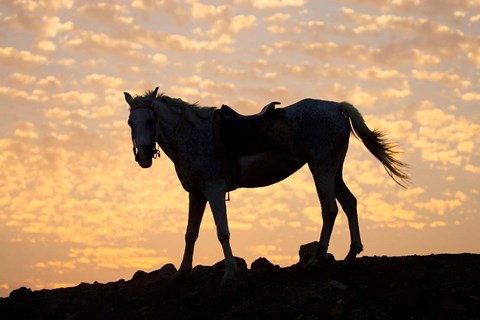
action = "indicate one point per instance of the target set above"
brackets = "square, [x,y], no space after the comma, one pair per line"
[74,205]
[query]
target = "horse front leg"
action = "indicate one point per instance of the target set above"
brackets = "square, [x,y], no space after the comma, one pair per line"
[219,210]
[197,204]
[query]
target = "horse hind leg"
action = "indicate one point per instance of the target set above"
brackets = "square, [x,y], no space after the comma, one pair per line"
[219,210]
[324,184]
[349,205]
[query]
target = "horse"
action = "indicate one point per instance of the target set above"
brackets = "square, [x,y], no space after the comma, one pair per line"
[318,135]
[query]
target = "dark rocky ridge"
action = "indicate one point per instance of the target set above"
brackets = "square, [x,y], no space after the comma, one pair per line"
[445,286]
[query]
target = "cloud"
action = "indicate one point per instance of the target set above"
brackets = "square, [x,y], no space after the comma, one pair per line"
[443,137]
[52,26]
[469,96]
[74,98]
[50,82]
[106,258]
[394,93]
[231,26]
[276,23]
[420,37]
[441,205]
[472,168]
[278,18]
[447,78]
[13,57]
[46,45]
[393,54]
[268,4]
[103,80]
[26,130]
[194,87]
[89,42]
[114,258]
[314,214]
[16,94]
[411,193]
[20,79]
[58,113]
[379,74]
[358,96]
[375,208]
[105,12]
[203,11]
[159,59]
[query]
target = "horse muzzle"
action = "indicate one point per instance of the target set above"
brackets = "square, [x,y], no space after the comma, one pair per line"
[143,157]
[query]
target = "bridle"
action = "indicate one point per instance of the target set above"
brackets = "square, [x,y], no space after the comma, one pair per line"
[153,150]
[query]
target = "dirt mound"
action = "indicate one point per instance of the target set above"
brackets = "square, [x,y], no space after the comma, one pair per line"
[414,287]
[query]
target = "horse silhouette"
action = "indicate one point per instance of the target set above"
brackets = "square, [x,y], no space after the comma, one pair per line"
[313,132]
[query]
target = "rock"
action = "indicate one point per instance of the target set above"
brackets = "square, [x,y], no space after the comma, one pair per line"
[139,275]
[166,272]
[20,293]
[200,269]
[338,285]
[263,264]
[241,264]
[307,251]
[377,288]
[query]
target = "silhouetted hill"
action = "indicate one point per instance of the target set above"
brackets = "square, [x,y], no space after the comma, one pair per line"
[445,286]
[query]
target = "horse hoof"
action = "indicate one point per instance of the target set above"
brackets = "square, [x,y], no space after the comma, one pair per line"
[352,254]
[350,257]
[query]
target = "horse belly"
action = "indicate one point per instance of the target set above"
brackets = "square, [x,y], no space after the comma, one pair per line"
[264,169]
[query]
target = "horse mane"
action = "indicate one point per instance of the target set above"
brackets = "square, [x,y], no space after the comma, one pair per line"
[183,105]
[145,101]
[176,102]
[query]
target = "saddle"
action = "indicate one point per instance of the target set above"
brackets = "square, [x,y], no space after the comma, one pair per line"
[239,135]
[266,112]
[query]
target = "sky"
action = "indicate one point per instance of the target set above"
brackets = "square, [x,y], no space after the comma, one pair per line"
[74,205]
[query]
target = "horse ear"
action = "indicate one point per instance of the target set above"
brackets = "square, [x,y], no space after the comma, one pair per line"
[153,95]
[129,99]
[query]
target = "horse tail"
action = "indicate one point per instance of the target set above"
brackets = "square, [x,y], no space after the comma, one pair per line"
[377,144]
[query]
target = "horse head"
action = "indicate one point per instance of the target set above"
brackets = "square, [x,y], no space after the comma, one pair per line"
[143,127]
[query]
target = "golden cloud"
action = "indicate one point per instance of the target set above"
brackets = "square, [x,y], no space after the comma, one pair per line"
[269,4]
[103,80]
[52,26]
[46,45]
[443,137]
[26,130]
[203,11]
[447,78]
[11,56]
[441,205]
[20,79]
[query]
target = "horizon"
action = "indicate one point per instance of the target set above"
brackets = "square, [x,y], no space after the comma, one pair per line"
[76,207]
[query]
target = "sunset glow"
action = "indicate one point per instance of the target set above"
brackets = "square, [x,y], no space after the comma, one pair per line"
[74,205]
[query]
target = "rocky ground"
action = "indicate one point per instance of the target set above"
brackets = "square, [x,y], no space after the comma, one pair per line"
[413,287]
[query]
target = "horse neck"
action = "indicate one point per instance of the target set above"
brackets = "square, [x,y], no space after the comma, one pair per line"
[172,124]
